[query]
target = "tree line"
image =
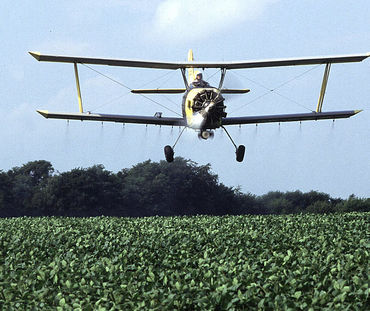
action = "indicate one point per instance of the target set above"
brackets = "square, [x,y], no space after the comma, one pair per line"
[147,189]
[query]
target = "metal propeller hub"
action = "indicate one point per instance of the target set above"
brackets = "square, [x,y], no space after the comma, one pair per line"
[210,103]
[206,97]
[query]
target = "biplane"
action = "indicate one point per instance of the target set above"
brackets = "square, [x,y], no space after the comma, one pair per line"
[203,106]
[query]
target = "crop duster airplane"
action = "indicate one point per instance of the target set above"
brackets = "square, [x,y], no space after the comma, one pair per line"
[203,106]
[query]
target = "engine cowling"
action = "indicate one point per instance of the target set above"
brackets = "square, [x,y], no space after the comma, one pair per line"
[212,102]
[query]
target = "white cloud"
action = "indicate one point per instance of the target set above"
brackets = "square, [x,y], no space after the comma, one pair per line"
[195,19]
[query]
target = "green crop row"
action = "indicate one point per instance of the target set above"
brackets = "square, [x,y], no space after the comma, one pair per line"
[317,262]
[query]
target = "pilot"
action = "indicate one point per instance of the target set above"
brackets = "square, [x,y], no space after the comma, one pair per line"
[199,82]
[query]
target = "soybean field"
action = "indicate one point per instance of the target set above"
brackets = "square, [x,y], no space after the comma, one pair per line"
[296,262]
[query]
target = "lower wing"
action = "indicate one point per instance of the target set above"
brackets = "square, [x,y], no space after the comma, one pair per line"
[179,91]
[157,120]
[290,117]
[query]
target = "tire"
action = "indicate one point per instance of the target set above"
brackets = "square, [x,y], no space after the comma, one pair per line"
[240,153]
[168,152]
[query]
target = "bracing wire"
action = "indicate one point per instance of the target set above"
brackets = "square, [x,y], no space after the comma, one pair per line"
[212,75]
[109,102]
[178,137]
[160,77]
[170,73]
[163,82]
[270,90]
[143,85]
[128,88]
[170,100]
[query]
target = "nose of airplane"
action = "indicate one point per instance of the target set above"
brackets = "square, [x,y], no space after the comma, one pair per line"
[209,106]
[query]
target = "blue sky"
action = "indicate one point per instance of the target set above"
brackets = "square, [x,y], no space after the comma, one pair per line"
[324,156]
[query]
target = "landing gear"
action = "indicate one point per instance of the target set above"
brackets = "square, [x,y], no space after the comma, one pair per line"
[239,151]
[168,152]
[205,134]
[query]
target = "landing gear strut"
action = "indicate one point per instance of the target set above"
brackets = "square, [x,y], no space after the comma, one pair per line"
[168,150]
[239,151]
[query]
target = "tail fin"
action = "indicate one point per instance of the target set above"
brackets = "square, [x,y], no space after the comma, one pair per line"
[191,72]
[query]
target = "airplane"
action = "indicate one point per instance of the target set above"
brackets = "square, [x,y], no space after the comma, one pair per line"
[203,107]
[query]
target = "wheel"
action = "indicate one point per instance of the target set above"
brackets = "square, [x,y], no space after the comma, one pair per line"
[168,152]
[240,153]
[205,134]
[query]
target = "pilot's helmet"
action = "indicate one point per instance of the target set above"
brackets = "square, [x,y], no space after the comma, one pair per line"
[199,74]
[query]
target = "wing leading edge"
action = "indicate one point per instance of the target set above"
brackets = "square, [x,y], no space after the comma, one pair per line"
[173,121]
[180,91]
[290,117]
[113,118]
[196,64]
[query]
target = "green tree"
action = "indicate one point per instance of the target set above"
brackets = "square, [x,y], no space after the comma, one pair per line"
[148,188]
[6,199]
[37,171]
[354,204]
[178,188]
[320,207]
[82,192]
[25,182]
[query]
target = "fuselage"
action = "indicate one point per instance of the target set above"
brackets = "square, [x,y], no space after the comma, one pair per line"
[203,108]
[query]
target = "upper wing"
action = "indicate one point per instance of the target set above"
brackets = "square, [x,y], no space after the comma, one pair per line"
[106,61]
[194,64]
[289,117]
[113,118]
[291,61]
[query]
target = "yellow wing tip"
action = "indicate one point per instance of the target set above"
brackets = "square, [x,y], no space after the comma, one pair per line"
[44,113]
[35,55]
[358,111]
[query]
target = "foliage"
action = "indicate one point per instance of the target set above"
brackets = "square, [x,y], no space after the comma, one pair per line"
[291,262]
[148,189]
[179,188]
[81,192]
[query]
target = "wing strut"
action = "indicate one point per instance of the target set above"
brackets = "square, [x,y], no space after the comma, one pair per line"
[323,87]
[78,88]
[184,77]
[223,72]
